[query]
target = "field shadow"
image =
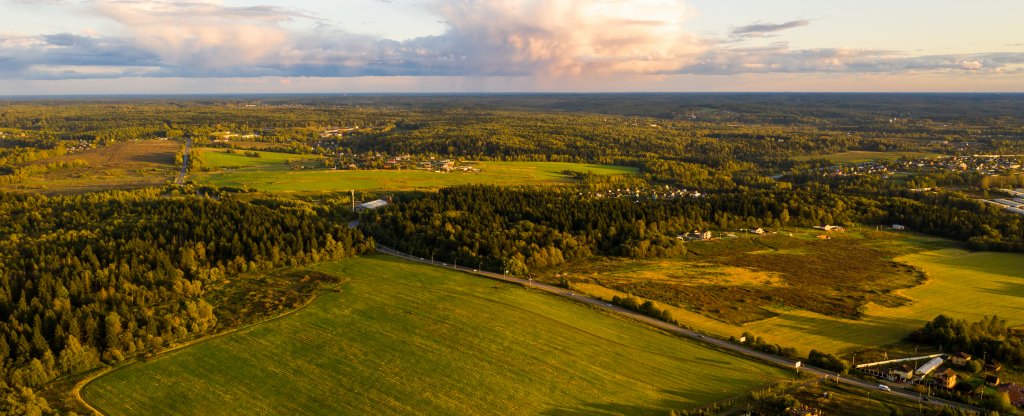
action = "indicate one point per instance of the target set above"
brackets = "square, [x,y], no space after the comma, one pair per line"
[607,409]
[675,399]
[981,266]
[159,158]
[1007,289]
[680,400]
[867,325]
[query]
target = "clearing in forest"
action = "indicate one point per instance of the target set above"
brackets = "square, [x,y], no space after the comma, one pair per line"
[281,172]
[125,165]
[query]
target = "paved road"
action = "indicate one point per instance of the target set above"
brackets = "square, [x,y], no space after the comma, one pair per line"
[184,162]
[740,349]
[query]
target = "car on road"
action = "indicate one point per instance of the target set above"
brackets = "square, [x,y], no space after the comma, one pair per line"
[883,387]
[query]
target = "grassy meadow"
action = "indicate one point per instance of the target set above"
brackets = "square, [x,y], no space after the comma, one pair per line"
[401,338]
[861,156]
[959,283]
[271,173]
[125,165]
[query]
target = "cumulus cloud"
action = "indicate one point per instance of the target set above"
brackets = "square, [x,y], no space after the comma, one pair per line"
[203,35]
[537,38]
[19,55]
[567,36]
[484,37]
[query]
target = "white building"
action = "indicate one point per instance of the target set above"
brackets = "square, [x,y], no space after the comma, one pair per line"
[377,203]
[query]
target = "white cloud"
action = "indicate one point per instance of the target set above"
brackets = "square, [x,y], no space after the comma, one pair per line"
[550,40]
[568,37]
[201,34]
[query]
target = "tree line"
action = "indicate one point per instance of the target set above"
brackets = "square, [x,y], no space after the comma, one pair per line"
[989,337]
[497,228]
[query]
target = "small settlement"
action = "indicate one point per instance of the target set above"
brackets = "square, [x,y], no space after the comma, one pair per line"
[959,372]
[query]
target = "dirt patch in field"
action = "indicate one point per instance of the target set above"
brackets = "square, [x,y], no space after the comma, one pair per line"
[744,280]
[154,153]
[247,299]
[127,165]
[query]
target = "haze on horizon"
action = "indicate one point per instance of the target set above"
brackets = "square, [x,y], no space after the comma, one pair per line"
[274,46]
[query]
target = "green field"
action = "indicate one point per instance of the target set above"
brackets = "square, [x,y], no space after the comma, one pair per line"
[400,338]
[961,284]
[861,156]
[270,173]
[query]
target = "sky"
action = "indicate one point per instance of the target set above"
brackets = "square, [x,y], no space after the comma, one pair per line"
[365,46]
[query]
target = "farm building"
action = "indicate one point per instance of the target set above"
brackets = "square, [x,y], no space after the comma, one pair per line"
[699,235]
[377,203]
[1007,202]
[929,366]
[961,358]
[900,369]
[830,228]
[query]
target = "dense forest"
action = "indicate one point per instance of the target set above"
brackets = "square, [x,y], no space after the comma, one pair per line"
[100,277]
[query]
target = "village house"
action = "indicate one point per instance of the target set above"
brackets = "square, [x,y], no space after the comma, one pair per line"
[946,379]
[699,235]
[802,410]
[993,366]
[992,380]
[1015,391]
[961,358]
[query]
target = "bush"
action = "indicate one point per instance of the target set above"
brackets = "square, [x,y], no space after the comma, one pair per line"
[647,308]
[828,361]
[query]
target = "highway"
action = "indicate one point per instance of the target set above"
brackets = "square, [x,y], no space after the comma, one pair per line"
[184,162]
[723,344]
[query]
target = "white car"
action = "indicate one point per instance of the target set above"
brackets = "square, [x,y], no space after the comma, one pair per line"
[883,387]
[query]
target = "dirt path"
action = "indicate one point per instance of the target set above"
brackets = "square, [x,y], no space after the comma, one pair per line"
[184,161]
